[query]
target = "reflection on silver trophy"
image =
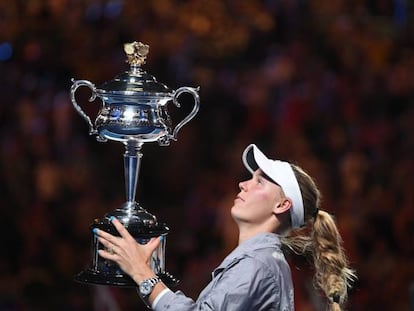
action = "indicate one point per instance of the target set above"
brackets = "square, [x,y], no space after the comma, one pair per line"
[133,111]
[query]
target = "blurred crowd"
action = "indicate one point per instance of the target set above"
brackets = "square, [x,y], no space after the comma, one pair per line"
[328,85]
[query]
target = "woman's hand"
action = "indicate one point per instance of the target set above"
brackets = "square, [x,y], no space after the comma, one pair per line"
[132,257]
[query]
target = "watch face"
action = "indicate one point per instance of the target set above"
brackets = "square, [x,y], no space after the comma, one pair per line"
[145,288]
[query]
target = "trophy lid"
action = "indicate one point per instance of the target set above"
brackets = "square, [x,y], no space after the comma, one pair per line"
[135,82]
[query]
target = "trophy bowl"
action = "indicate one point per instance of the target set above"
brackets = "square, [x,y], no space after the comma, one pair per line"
[134,104]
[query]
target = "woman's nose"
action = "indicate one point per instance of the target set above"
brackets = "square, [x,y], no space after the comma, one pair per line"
[242,185]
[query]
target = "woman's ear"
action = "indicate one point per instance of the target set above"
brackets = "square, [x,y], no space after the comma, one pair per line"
[283,206]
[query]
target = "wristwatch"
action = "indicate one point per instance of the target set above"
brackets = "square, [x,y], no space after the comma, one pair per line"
[146,286]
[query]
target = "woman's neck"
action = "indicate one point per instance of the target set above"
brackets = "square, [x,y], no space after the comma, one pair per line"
[245,234]
[247,231]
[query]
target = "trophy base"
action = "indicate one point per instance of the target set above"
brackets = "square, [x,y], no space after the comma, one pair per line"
[142,226]
[89,276]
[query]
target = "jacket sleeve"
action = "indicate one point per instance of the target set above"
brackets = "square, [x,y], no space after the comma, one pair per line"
[246,284]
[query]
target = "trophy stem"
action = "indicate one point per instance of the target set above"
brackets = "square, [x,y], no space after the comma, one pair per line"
[132,162]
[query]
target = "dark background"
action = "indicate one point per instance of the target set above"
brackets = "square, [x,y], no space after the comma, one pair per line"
[325,84]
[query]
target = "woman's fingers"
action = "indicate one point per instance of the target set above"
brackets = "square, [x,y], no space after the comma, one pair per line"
[132,257]
[107,254]
[154,243]
[120,228]
[105,235]
[109,246]
[125,244]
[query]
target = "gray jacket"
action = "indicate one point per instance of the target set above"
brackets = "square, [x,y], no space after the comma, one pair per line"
[254,276]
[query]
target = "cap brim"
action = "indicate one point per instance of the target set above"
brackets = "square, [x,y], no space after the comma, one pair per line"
[254,159]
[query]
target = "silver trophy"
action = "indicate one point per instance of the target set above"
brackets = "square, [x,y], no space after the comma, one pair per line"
[133,111]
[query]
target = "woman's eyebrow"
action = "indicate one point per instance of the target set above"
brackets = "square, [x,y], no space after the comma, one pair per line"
[259,172]
[262,174]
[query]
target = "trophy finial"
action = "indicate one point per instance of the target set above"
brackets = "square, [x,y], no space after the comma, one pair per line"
[136,52]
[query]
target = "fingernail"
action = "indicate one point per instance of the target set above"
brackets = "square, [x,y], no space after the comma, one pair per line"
[95,231]
[111,218]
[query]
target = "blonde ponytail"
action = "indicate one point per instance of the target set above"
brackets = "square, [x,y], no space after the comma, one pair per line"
[321,240]
[332,273]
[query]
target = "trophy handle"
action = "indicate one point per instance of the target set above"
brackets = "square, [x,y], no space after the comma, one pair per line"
[73,89]
[177,93]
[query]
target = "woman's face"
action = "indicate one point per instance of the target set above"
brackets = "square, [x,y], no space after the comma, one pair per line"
[257,200]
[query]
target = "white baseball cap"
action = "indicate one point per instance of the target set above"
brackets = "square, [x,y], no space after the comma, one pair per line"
[281,173]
